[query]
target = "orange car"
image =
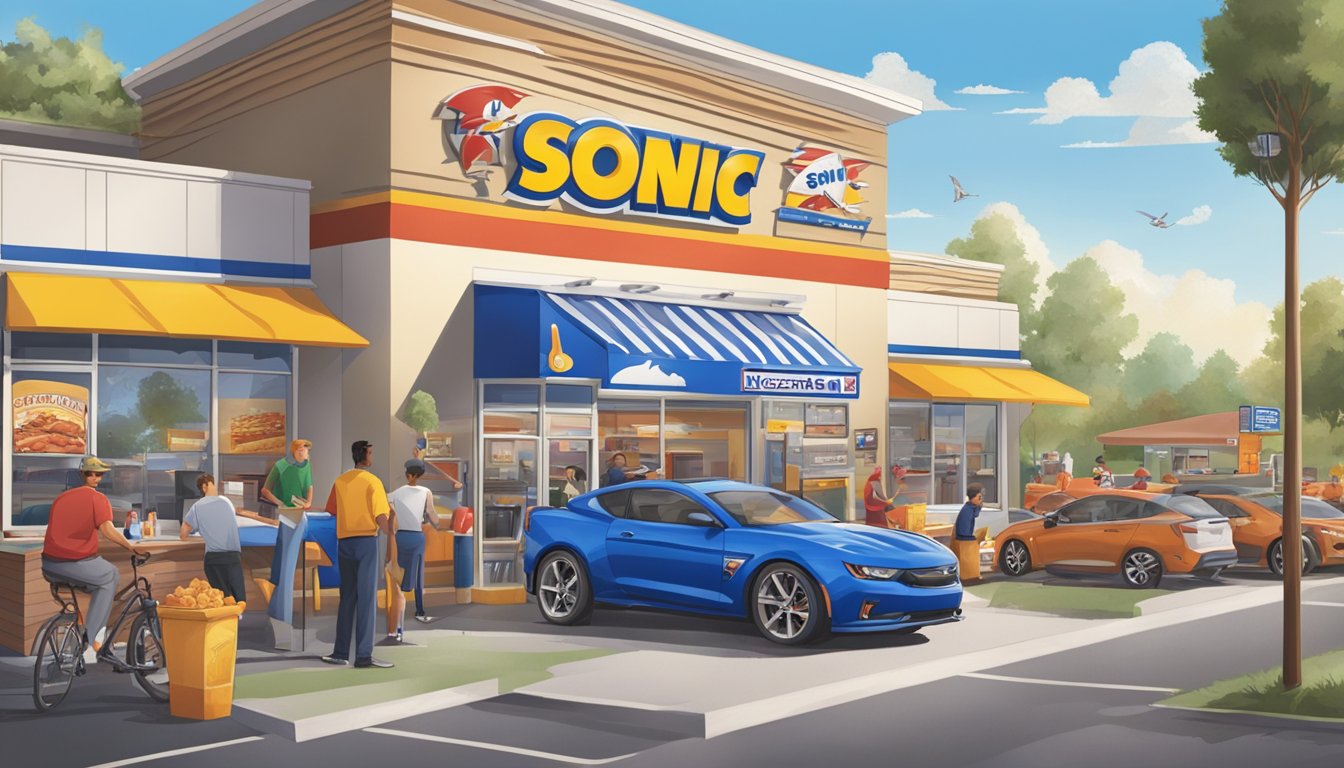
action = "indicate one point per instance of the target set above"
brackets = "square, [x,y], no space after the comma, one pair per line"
[1257,530]
[1054,498]
[1139,535]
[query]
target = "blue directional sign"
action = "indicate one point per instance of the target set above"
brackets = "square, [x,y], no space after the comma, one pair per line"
[1256,418]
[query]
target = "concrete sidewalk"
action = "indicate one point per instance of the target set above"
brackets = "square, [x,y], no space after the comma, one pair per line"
[703,677]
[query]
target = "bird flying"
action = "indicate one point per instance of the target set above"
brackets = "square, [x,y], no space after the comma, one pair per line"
[1156,221]
[958,193]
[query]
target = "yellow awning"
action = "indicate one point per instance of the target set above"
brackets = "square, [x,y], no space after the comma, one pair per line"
[921,381]
[80,304]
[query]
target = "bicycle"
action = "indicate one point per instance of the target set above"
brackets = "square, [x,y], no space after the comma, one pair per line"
[62,640]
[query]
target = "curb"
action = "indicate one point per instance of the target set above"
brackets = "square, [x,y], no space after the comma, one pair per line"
[266,715]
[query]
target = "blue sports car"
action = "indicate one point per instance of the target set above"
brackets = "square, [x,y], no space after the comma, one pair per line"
[731,549]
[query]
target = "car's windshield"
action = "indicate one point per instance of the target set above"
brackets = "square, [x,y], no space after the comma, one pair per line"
[1194,507]
[1312,509]
[770,508]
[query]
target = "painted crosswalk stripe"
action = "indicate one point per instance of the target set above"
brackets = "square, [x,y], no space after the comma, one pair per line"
[1067,683]
[502,748]
[175,752]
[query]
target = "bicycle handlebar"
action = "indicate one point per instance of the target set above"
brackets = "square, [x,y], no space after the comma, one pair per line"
[139,560]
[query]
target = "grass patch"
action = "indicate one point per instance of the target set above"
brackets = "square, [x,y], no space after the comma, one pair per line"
[440,663]
[1320,695]
[1070,602]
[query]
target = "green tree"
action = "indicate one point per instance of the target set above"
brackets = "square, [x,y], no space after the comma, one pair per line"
[1274,67]
[1165,365]
[121,437]
[993,238]
[1217,388]
[63,81]
[1081,328]
[164,404]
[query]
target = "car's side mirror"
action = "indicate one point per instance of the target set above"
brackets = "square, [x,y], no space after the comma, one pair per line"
[702,519]
[1051,520]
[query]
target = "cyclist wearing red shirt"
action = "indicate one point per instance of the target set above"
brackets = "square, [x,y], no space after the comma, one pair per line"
[70,552]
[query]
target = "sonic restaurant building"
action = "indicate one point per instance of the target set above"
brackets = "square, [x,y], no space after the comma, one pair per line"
[582,229]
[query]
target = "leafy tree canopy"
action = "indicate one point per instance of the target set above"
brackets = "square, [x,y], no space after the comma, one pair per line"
[421,412]
[1276,68]
[63,81]
[1082,328]
[1165,365]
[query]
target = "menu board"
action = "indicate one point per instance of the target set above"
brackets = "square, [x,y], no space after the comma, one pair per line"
[252,425]
[50,417]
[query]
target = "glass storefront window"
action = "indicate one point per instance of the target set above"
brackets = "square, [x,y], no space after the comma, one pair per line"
[630,428]
[71,347]
[569,396]
[511,396]
[255,356]
[910,448]
[705,440]
[568,462]
[153,351]
[569,424]
[949,424]
[253,430]
[509,423]
[509,487]
[982,450]
[143,410]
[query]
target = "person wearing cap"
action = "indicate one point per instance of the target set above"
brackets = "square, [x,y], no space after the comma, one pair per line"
[413,506]
[289,484]
[70,549]
[1141,476]
[359,502]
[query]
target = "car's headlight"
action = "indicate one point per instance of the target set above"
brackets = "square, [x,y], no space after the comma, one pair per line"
[1332,532]
[873,572]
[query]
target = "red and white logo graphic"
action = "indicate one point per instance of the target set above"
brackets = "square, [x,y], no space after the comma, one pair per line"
[479,117]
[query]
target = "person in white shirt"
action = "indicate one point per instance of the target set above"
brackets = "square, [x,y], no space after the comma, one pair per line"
[413,505]
[215,519]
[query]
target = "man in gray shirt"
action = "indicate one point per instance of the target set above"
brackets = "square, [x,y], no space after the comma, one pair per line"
[216,520]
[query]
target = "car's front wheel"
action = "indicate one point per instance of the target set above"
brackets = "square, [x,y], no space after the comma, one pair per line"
[787,605]
[1275,558]
[1015,560]
[1142,569]
[564,593]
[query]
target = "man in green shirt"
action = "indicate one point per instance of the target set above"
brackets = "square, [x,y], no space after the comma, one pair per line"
[289,484]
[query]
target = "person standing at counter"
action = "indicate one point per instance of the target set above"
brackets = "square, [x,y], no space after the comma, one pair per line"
[975,499]
[618,472]
[70,549]
[359,503]
[875,505]
[413,505]
[217,521]
[289,484]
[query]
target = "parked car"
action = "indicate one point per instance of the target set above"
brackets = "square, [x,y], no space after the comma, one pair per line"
[726,548]
[1257,530]
[1216,489]
[1048,501]
[1139,535]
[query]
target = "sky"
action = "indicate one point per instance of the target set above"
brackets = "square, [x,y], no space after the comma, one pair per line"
[1116,73]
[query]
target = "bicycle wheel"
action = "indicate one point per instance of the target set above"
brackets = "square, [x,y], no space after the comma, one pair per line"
[59,647]
[145,648]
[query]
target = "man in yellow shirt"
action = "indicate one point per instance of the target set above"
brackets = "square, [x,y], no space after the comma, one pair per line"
[359,502]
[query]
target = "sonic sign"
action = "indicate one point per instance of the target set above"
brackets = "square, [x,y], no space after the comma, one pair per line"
[603,166]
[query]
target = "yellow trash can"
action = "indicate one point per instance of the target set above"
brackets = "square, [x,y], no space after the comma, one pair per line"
[201,645]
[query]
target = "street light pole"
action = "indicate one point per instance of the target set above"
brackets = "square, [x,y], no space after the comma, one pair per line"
[1266,146]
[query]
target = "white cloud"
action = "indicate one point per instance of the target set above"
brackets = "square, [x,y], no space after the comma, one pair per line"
[1198,216]
[912,213]
[646,374]
[890,70]
[1154,132]
[985,90]
[1154,82]
[1036,251]
[1335,231]
[1200,309]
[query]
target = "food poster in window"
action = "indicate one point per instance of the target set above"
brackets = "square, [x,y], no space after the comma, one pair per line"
[252,425]
[50,417]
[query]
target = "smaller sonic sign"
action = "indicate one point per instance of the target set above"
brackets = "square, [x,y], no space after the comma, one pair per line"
[603,166]
[782,383]
[825,190]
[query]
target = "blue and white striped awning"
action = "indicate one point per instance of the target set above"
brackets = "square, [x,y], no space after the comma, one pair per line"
[690,332]
[655,345]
